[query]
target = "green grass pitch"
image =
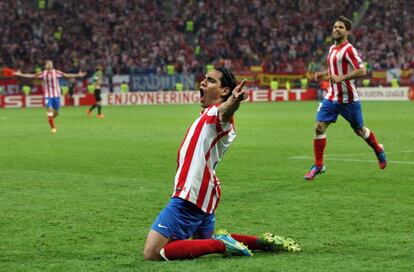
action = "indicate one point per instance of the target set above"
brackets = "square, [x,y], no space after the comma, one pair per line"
[84,199]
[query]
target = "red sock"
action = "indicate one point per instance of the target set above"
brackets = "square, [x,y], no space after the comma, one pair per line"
[372,141]
[318,148]
[250,241]
[51,121]
[189,249]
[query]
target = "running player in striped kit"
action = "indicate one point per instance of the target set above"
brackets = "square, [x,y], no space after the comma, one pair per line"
[51,89]
[344,65]
[190,212]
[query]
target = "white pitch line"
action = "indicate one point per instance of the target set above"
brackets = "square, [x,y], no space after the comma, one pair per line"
[350,160]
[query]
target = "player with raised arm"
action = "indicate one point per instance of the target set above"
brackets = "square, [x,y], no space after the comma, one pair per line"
[51,89]
[344,65]
[190,212]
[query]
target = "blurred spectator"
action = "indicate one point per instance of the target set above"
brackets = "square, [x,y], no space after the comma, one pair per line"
[145,36]
[385,34]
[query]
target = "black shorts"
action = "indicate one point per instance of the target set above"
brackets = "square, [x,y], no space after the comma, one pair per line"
[97,94]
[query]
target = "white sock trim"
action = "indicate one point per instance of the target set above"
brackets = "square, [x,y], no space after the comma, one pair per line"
[322,136]
[162,254]
[50,114]
[367,133]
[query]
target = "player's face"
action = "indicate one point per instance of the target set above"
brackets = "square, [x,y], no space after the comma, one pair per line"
[210,89]
[339,31]
[49,65]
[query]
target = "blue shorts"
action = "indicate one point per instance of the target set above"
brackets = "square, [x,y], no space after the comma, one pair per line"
[328,112]
[182,219]
[52,102]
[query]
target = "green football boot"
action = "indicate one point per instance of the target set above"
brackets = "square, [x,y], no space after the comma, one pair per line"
[271,242]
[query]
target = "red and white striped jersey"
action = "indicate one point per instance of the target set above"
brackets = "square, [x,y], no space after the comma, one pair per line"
[341,60]
[51,86]
[201,150]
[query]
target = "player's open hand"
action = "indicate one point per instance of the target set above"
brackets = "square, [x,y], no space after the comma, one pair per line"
[82,74]
[239,93]
[17,73]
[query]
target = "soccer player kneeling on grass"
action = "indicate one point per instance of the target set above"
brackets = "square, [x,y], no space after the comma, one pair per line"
[190,212]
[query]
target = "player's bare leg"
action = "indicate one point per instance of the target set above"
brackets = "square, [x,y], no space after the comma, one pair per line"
[155,242]
[371,140]
[319,143]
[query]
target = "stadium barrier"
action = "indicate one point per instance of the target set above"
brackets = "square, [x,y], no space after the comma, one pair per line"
[192,97]
[152,98]
[9,85]
[385,93]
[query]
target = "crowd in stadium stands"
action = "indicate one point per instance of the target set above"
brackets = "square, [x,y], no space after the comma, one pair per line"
[386,35]
[147,35]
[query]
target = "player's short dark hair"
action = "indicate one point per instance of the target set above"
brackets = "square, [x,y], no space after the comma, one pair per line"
[346,21]
[227,80]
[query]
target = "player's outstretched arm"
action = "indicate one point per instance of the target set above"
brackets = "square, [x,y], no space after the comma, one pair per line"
[18,73]
[228,108]
[80,74]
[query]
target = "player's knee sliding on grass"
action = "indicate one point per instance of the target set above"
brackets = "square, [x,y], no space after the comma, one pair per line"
[190,212]
[222,242]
